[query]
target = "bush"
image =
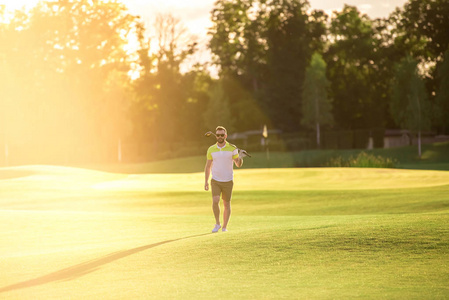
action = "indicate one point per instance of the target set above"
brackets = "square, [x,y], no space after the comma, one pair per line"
[363,160]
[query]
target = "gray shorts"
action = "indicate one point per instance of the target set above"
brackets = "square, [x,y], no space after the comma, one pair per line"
[223,188]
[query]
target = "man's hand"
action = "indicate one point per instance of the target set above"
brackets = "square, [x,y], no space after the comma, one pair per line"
[206,186]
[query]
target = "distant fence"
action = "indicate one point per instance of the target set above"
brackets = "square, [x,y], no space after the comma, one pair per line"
[297,141]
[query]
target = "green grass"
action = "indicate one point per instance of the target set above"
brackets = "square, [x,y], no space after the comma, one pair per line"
[317,233]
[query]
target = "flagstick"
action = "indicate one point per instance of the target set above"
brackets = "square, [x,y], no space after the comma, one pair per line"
[268,152]
[265,136]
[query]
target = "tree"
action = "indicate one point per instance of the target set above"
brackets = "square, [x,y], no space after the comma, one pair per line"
[164,97]
[197,83]
[352,68]
[289,38]
[409,106]
[239,50]
[422,29]
[266,47]
[442,96]
[237,40]
[316,107]
[426,21]
[218,110]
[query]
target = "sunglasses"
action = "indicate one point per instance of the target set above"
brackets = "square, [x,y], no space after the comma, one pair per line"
[220,135]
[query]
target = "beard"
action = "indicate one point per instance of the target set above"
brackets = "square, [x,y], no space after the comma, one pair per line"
[220,140]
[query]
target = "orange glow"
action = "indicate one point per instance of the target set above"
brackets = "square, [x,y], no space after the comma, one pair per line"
[63,79]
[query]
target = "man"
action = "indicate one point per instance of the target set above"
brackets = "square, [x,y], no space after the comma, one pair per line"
[220,159]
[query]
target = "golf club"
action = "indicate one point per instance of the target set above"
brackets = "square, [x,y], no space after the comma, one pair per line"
[209,133]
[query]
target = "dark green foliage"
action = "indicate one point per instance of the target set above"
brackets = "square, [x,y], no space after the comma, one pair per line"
[316,106]
[352,61]
[266,46]
[410,107]
[219,110]
[441,109]
[287,59]
[422,32]
[362,160]
[426,22]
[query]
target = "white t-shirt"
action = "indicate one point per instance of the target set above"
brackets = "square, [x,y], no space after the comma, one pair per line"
[223,161]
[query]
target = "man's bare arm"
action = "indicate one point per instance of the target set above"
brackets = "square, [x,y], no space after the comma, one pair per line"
[207,169]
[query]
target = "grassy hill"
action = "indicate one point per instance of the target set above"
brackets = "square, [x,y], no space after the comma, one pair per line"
[308,233]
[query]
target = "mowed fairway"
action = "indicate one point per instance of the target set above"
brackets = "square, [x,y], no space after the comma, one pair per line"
[320,233]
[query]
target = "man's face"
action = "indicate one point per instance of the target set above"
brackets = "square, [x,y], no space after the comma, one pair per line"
[221,136]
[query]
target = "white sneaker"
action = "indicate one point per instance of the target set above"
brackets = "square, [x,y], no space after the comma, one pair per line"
[216,228]
[224,230]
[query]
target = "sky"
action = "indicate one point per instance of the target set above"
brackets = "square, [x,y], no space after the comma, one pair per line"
[194,14]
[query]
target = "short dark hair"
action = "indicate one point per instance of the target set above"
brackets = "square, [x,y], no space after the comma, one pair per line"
[221,128]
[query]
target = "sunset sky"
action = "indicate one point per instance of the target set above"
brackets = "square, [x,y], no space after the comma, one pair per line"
[195,13]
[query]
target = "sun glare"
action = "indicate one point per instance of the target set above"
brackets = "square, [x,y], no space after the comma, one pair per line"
[18,4]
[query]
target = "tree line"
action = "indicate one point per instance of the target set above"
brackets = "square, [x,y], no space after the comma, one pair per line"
[81,75]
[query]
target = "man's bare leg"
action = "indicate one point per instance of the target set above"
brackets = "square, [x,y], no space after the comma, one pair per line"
[226,213]
[216,208]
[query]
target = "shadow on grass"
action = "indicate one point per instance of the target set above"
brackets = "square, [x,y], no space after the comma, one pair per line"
[79,270]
